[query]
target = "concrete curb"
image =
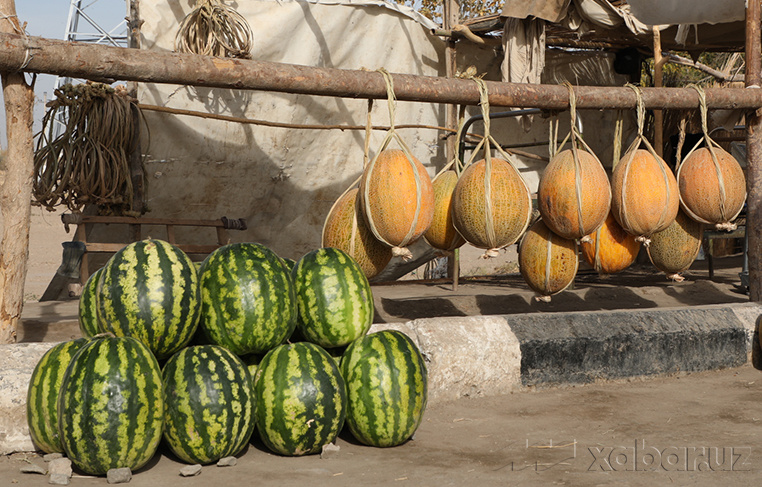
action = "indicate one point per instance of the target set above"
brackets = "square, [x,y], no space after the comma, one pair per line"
[498,355]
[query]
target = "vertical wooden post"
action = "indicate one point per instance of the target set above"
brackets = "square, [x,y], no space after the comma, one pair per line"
[451,17]
[136,154]
[658,83]
[15,186]
[754,152]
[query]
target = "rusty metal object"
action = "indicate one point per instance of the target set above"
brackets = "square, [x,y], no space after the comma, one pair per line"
[88,61]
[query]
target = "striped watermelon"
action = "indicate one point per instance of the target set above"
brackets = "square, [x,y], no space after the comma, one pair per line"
[88,306]
[386,388]
[110,406]
[333,297]
[301,399]
[42,395]
[209,404]
[247,298]
[149,290]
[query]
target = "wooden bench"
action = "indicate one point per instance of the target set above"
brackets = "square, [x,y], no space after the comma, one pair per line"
[136,224]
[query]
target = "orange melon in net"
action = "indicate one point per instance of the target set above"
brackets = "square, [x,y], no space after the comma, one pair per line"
[610,249]
[397,198]
[674,249]
[442,234]
[508,208]
[644,192]
[704,195]
[548,262]
[569,209]
[344,230]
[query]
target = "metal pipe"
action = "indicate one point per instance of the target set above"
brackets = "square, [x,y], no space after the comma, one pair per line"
[38,55]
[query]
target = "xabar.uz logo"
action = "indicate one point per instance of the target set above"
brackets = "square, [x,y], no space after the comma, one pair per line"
[642,457]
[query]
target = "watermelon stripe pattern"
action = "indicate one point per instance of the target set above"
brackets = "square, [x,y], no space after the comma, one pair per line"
[42,395]
[149,290]
[333,297]
[88,306]
[386,388]
[209,401]
[110,409]
[247,298]
[301,399]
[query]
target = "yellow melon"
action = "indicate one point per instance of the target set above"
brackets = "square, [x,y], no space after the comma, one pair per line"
[548,262]
[442,234]
[344,230]
[644,194]
[574,197]
[610,249]
[674,249]
[397,199]
[702,195]
[491,213]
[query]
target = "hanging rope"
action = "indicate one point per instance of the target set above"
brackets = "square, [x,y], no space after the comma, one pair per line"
[89,162]
[215,29]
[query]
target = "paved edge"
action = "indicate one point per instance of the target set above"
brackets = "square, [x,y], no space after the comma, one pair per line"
[498,355]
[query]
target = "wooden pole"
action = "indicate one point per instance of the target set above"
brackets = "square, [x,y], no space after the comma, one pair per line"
[93,61]
[451,17]
[15,186]
[754,152]
[658,83]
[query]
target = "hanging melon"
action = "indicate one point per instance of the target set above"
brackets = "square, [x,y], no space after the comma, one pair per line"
[442,234]
[674,249]
[397,199]
[712,187]
[574,195]
[344,230]
[548,262]
[491,212]
[610,249]
[644,194]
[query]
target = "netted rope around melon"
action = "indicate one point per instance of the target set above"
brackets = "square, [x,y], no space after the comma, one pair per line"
[400,250]
[215,29]
[726,225]
[89,162]
[640,138]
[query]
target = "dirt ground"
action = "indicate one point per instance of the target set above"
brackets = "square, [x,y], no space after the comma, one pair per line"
[697,429]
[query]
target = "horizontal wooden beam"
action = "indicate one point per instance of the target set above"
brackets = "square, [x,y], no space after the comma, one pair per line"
[91,61]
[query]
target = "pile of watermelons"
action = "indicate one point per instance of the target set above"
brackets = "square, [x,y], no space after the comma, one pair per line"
[203,357]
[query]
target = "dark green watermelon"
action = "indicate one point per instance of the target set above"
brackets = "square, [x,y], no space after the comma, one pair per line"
[248,304]
[110,406]
[386,388]
[88,306]
[301,399]
[149,290]
[209,398]
[334,298]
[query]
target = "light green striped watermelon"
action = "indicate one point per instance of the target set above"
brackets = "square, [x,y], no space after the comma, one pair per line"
[149,290]
[386,388]
[209,399]
[301,399]
[88,306]
[247,298]
[42,395]
[110,406]
[333,297]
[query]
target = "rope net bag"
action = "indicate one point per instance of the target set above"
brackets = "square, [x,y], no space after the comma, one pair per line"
[396,194]
[345,228]
[89,162]
[574,194]
[711,183]
[215,29]
[644,190]
[492,204]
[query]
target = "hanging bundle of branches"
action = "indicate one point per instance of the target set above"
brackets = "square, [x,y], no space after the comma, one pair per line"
[214,29]
[89,162]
